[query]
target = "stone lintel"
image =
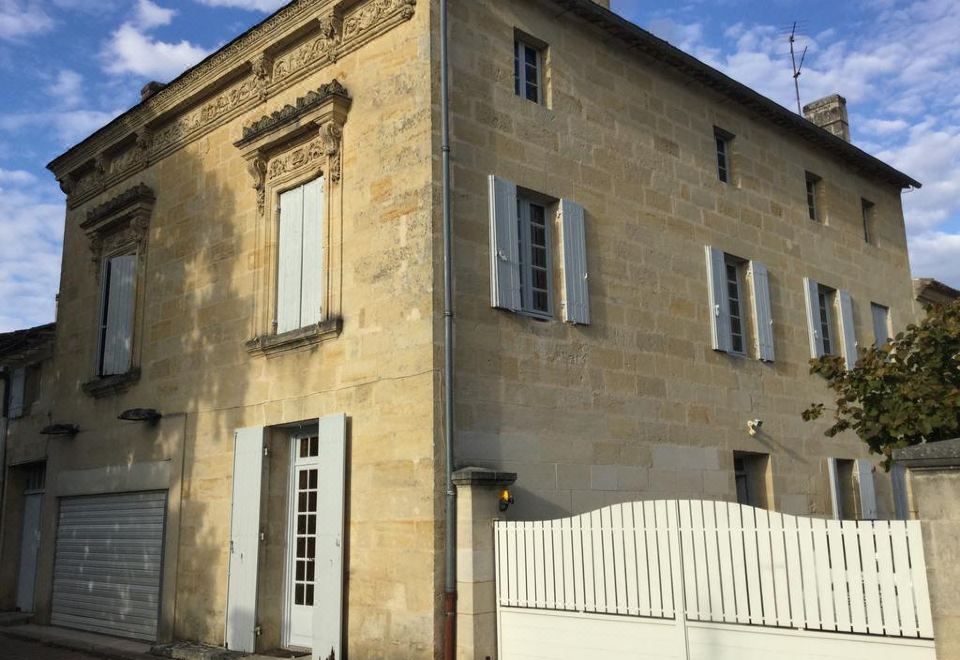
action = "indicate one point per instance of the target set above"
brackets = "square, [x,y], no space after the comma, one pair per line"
[483,477]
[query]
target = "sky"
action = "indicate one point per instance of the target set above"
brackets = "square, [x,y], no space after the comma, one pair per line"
[69,66]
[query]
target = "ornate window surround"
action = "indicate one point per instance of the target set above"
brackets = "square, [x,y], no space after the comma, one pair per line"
[119,227]
[284,150]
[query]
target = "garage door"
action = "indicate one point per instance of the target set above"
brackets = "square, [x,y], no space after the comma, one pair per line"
[108,563]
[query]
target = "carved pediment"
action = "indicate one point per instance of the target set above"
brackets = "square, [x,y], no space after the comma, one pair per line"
[120,222]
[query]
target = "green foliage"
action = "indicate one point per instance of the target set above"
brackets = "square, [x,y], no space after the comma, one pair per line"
[903,393]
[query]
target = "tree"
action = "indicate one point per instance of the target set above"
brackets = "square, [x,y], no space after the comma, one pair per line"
[902,393]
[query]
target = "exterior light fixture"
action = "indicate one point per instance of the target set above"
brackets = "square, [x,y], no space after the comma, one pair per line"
[148,415]
[60,429]
[506,499]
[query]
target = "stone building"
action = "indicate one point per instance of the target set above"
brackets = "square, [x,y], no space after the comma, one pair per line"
[928,291]
[249,337]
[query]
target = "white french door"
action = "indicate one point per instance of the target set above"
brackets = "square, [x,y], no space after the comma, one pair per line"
[302,539]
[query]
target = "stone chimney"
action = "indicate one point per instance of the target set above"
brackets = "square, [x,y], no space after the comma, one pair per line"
[830,113]
[150,89]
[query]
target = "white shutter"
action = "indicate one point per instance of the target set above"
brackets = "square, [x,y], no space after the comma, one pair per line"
[120,300]
[836,497]
[290,260]
[312,297]
[810,292]
[868,494]
[719,301]
[17,384]
[763,314]
[847,329]
[244,539]
[576,294]
[504,245]
[328,619]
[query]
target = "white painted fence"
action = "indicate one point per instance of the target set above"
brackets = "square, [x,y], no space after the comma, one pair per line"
[846,588]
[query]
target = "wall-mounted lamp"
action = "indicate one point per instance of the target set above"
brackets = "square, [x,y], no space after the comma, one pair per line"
[148,415]
[506,499]
[753,426]
[60,429]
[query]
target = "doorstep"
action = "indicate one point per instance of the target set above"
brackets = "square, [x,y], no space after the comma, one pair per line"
[103,646]
[195,651]
[14,618]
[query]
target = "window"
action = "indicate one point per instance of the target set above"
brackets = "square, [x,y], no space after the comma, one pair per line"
[825,316]
[727,278]
[813,193]
[750,471]
[723,139]
[527,71]
[534,246]
[866,210]
[852,490]
[118,298]
[522,224]
[881,323]
[300,257]
[734,270]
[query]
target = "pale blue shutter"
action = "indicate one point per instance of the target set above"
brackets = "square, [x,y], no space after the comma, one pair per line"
[244,539]
[811,290]
[763,314]
[847,330]
[290,260]
[120,300]
[576,294]
[898,477]
[312,279]
[328,619]
[719,302]
[868,494]
[881,323]
[17,385]
[836,497]
[504,245]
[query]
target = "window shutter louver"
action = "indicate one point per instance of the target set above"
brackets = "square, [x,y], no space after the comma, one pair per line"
[836,498]
[576,300]
[118,334]
[868,495]
[719,302]
[847,329]
[311,302]
[504,245]
[763,314]
[290,260]
[17,386]
[810,291]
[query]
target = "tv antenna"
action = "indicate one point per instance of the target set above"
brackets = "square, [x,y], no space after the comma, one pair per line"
[797,69]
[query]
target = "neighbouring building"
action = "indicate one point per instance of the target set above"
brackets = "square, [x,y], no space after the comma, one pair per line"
[245,387]
[928,291]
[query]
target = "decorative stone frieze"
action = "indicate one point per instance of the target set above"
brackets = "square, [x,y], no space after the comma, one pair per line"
[85,171]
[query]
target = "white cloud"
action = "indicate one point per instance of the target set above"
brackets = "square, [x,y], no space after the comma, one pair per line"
[150,15]
[16,177]
[67,89]
[251,5]
[130,50]
[70,126]
[883,126]
[22,19]
[936,254]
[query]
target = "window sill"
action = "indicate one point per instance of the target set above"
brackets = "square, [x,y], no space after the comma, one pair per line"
[288,341]
[102,386]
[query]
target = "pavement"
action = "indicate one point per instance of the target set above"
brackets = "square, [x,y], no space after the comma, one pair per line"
[19,649]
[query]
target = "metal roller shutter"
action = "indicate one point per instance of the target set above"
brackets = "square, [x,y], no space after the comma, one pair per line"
[108,563]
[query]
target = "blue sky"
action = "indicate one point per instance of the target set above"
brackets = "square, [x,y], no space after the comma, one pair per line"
[68,66]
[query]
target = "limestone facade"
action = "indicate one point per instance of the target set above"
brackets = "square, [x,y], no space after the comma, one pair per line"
[634,405]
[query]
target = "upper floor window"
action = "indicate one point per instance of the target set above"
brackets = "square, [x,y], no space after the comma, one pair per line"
[117,303]
[728,277]
[813,197]
[522,246]
[881,323]
[723,139]
[300,257]
[825,298]
[866,212]
[528,70]
[830,322]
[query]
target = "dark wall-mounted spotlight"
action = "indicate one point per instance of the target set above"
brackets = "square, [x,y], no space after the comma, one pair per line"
[148,415]
[60,429]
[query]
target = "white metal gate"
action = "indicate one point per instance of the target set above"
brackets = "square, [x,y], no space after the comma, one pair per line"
[108,563]
[701,579]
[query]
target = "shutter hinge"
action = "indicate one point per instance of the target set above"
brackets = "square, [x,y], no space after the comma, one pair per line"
[716,310]
[257,631]
[266,450]
[263,536]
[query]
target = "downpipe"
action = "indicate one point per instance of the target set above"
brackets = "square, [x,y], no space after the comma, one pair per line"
[450,533]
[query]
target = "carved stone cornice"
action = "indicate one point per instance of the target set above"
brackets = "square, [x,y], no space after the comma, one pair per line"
[122,222]
[291,113]
[244,73]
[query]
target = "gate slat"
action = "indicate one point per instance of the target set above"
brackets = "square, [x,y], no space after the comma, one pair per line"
[711,543]
[791,544]
[665,522]
[851,544]
[918,575]
[821,548]
[538,558]
[609,559]
[765,567]
[729,604]
[599,572]
[867,532]
[735,518]
[579,574]
[513,576]
[652,555]
[752,565]
[549,566]
[778,557]
[702,563]
[838,576]
[589,568]
[632,565]
[888,590]
[688,561]
[808,574]
[617,535]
